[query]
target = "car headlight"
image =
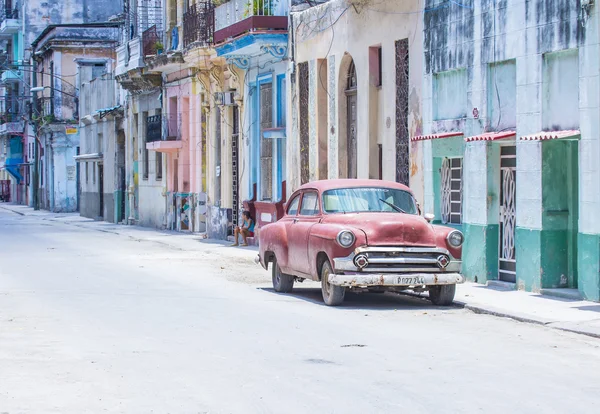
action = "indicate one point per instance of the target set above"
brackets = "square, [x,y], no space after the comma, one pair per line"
[455,238]
[345,238]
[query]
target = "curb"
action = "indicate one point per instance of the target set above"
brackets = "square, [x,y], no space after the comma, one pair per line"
[549,324]
[12,211]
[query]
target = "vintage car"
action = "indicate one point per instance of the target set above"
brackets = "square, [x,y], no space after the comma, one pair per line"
[364,235]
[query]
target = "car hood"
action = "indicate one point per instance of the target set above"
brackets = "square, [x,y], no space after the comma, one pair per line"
[389,229]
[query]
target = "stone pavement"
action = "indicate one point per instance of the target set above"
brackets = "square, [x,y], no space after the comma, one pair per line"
[577,316]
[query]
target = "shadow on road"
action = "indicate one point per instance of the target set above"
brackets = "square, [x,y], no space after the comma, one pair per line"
[366,301]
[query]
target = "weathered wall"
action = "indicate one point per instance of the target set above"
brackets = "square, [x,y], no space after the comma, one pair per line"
[37,14]
[329,35]
[149,195]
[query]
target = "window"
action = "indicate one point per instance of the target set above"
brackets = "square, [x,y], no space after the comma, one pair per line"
[145,149]
[310,204]
[100,143]
[293,207]
[266,144]
[375,65]
[98,70]
[94,173]
[159,169]
[369,199]
[87,172]
[451,203]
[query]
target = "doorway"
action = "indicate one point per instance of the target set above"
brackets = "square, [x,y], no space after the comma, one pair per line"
[351,102]
[101,189]
[507,264]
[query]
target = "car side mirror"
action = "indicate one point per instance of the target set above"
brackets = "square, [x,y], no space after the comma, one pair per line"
[429,217]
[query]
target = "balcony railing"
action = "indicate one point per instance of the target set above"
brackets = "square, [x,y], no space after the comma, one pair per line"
[199,24]
[161,128]
[237,17]
[8,13]
[154,128]
[152,41]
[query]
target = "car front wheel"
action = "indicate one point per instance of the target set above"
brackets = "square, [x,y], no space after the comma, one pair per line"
[332,295]
[282,283]
[442,295]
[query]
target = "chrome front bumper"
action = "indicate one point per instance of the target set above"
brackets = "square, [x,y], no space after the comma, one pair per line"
[360,280]
[412,265]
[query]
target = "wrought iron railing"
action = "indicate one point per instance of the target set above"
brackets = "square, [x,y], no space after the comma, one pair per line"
[9,13]
[199,23]
[152,41]
[154,128]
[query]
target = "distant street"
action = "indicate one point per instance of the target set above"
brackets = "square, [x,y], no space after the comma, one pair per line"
[93,322]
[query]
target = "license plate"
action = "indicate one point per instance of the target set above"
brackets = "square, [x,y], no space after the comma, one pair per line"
[414,280]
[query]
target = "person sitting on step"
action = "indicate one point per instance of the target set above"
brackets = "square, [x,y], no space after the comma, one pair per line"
[246,229]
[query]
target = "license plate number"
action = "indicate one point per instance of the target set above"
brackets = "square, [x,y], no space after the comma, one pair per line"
[414,280]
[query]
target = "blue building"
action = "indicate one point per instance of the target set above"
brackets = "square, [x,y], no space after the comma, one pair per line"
[249,116]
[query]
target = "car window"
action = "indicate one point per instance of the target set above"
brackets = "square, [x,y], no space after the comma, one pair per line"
[369,199]
[310,204]
[293,206]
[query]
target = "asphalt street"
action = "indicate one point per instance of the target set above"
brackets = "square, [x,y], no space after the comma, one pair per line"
[95,322]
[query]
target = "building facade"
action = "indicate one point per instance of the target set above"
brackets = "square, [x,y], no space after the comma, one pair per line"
[59,62]
[356,93]
[511,135]
[141,38]
[21,22]
[101,159]
[248,114]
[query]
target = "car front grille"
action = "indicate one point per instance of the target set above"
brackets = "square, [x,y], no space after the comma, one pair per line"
[402,259]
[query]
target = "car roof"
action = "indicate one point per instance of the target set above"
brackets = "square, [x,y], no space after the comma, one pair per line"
[324,185]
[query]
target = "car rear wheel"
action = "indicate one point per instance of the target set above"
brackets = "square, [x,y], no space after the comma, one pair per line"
[332,295]
[282,283]
[442,295]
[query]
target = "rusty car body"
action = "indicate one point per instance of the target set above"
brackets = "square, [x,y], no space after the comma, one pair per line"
[365,235]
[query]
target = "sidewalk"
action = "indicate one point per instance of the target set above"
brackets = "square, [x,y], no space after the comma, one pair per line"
[577,316]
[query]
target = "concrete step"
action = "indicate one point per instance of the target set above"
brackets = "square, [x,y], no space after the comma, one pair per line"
[252,241]
[563,293]
[500,285]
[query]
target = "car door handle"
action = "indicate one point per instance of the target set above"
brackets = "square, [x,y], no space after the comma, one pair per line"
[295,221]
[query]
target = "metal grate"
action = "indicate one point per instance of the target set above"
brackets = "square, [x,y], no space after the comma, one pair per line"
[303,81]
[402,141]
[199,23]
[351,101]
[266,144]
[235,167]
[452,190]
[507,266]
[154,128]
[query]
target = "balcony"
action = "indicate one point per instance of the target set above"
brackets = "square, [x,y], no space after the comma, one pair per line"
[12,76]
[10,23]
[12,125]
[239,17]
[162,134]
[199,24]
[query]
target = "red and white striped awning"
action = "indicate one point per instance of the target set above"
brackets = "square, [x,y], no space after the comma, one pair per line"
[437,136]
[491,136]
[547,135]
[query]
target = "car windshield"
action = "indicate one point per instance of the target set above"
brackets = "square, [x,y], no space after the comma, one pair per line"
[369,199]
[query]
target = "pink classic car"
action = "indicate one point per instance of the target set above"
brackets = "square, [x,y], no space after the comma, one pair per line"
[364,235]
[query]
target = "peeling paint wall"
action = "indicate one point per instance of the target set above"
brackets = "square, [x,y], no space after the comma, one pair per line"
[37,14]
[334,32]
